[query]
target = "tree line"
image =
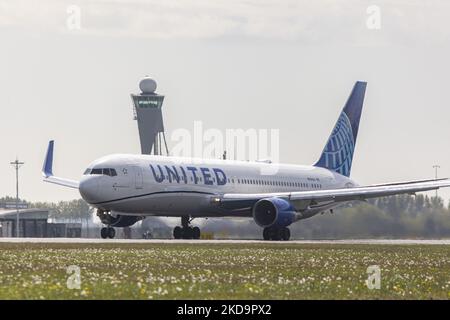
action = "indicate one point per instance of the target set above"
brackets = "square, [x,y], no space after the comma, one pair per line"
[402,216]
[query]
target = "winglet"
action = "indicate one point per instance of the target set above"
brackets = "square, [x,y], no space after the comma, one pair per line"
[47,169]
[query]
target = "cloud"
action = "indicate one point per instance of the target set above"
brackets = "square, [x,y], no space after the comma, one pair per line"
[319,21]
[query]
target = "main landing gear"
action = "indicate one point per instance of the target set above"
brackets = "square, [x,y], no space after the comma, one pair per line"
[276,233]
[108,232]
[186,231]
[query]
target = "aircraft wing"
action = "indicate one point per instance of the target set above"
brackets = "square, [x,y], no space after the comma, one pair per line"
[341,195]
[47,170]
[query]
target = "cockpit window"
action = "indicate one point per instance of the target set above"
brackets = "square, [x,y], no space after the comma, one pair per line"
[103,171]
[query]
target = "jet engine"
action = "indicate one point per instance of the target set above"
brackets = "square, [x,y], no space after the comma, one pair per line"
[276,212]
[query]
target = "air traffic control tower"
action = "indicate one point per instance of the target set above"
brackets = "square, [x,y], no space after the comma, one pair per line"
[147,107]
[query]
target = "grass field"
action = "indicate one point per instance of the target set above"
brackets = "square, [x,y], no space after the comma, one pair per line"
[223,271]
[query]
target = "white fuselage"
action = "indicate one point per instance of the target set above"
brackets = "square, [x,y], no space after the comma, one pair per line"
[171,186]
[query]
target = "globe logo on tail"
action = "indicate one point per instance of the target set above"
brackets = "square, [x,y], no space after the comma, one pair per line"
[338,152]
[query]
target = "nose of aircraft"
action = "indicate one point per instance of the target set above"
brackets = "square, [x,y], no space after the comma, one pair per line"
[89,189]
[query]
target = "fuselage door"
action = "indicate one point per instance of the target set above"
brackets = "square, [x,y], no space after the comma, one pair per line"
[138,177]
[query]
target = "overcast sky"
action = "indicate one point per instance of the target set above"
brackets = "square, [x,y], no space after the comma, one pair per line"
[287,65]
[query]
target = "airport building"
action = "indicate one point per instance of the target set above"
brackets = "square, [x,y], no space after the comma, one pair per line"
[33,223]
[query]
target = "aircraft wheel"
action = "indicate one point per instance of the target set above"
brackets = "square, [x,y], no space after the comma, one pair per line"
[266,234]
[286,234]
[104,233]
[196,233]
[177,232]
[187,233]
[111,233]
[276,234]
[273,233]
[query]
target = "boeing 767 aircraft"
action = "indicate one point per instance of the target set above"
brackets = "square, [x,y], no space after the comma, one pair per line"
[124,188]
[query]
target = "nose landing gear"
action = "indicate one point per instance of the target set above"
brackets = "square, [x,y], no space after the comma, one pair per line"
[105,218]
[186,231]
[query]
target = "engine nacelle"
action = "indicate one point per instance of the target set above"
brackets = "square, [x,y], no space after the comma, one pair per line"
[273,212]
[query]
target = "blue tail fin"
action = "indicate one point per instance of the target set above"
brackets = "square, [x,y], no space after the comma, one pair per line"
[338,152]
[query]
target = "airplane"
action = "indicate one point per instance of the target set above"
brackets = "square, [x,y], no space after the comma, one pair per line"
[125,188]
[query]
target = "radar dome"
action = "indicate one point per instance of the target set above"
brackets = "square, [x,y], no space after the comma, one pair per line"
[147,85]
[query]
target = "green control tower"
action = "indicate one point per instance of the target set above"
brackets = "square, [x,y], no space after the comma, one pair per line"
[147,107]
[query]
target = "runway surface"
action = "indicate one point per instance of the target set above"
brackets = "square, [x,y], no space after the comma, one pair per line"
[171,241]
